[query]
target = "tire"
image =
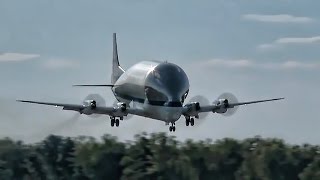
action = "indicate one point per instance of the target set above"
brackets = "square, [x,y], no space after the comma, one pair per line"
[187,122]
[112,122]
[117,122]
[192,121]
[173,128]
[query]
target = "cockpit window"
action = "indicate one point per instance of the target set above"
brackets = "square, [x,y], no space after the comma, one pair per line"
[159,99]
[173,104]
[155,97]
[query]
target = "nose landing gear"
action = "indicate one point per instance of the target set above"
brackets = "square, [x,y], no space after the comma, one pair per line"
[172,127]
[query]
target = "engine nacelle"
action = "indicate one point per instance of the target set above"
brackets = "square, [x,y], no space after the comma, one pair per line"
[90,103]
[121,106]
[119,109]
[223,106]
[193,108]
[93,104]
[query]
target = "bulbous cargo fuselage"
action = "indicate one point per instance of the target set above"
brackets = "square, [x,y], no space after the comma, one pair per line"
[160,88]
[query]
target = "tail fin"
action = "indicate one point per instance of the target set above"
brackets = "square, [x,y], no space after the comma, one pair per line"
[117,71]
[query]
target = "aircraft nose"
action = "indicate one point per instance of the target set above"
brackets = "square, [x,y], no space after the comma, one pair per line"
[167,82]
[172,114]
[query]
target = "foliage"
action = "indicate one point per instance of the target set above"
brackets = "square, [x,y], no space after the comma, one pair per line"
[157,156]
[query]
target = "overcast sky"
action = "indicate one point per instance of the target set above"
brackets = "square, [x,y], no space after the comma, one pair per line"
[254,49]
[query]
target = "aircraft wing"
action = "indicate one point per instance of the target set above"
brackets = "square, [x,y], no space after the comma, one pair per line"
[215,108]
[231,105]
[75,107]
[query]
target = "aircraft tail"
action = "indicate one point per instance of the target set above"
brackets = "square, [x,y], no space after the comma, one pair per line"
[117,71]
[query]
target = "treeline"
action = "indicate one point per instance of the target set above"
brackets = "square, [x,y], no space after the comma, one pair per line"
[157,156]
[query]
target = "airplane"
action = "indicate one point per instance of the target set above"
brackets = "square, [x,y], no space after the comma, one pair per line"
[151,89]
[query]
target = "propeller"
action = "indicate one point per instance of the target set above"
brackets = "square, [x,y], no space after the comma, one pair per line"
[203,102]
[231,99]
[99,102]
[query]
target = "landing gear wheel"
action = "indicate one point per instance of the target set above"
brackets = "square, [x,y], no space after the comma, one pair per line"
[192,121]
[112,122]
[187,122]
[172,127]
[117,122]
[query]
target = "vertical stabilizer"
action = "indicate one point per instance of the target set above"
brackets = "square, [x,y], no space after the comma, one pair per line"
[117,71]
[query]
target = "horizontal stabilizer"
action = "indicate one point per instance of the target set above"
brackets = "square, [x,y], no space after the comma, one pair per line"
[95,85]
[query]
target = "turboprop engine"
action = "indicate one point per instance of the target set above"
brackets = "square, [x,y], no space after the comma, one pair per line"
[91,102]
[223,103]
[121,106]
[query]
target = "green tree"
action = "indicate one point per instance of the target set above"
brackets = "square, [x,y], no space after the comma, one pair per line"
[101,160]
[312,171]
[157,156]
[169,162]
[138,162]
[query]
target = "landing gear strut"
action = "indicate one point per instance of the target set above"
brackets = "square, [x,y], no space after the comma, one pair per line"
[172,127]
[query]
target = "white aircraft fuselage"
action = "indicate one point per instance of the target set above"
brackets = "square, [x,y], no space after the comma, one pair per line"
[158,88]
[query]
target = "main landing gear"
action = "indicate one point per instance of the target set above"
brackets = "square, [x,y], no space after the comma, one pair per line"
[115,121]
[172,127]
[189,121]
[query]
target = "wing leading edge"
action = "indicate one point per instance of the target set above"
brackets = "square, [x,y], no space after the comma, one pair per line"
[75,107]
[215,107]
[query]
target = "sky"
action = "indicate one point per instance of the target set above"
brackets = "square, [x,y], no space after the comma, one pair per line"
[254,49]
